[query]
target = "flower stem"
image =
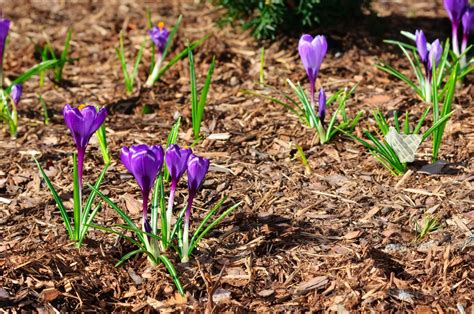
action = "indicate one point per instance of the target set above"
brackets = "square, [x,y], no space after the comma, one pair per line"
[80,165]
[455,38]
[150,243]
[463,48]
[428,90]
[311,95]
[169,211]
[156,70]
[187,215]
[145,210]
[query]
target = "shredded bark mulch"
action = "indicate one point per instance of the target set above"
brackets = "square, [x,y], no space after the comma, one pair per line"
[337,237]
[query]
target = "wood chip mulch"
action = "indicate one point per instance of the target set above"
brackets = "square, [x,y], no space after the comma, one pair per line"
[340,238]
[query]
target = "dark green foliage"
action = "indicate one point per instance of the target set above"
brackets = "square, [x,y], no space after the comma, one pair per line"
[266,18]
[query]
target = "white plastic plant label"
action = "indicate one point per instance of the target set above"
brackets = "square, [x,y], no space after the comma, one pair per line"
[404,145]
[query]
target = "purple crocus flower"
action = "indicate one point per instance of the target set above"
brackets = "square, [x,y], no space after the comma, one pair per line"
[4,28]
[436,51]
[144,162]
[177,162]
[455,9]
[428,55]
[15,93]
[468,21]
[467,27]
[421,45]
[159,35]
[83,122]
[197,170]
[312,52]
[322,105]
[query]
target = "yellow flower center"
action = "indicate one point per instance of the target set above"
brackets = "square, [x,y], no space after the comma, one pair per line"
[161,25]
[81,106]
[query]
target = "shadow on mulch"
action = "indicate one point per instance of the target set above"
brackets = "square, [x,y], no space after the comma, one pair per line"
[370,32]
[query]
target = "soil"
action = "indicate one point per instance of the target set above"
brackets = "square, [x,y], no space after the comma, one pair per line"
[339,236]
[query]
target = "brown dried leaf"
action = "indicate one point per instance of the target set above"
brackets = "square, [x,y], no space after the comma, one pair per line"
[133,206]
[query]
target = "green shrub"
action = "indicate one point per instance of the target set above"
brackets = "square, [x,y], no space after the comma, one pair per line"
[266,18]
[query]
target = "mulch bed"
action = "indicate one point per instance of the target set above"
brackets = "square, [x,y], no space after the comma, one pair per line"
[340,238]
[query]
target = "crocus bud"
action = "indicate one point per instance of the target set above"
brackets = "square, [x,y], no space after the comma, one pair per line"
[4,28]
[197,169]
[455,9]
[468,21]
[159,35]
[177,161]
[15,93]
[421,46]
[427,56]
[144,162]
[435,53]
[322,105]
[312,52]
[83,123]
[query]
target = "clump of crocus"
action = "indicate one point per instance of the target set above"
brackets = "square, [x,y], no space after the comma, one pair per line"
[312,52]
[467,27]
[4,28]
[8,109]
[144,162]
[176,162]
[455,9]
[197,170]
[429,56]
[159,35]
[83,122]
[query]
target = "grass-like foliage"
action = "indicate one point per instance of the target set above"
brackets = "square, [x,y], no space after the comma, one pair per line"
[307,114]
[430,223]
[82,215]
[34,70]
[44,108]
[49,54]
[8,110]
[198,104]
[155,243]
[442,110]
[146,242]
[379,147]
[423,86]
[128,77]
